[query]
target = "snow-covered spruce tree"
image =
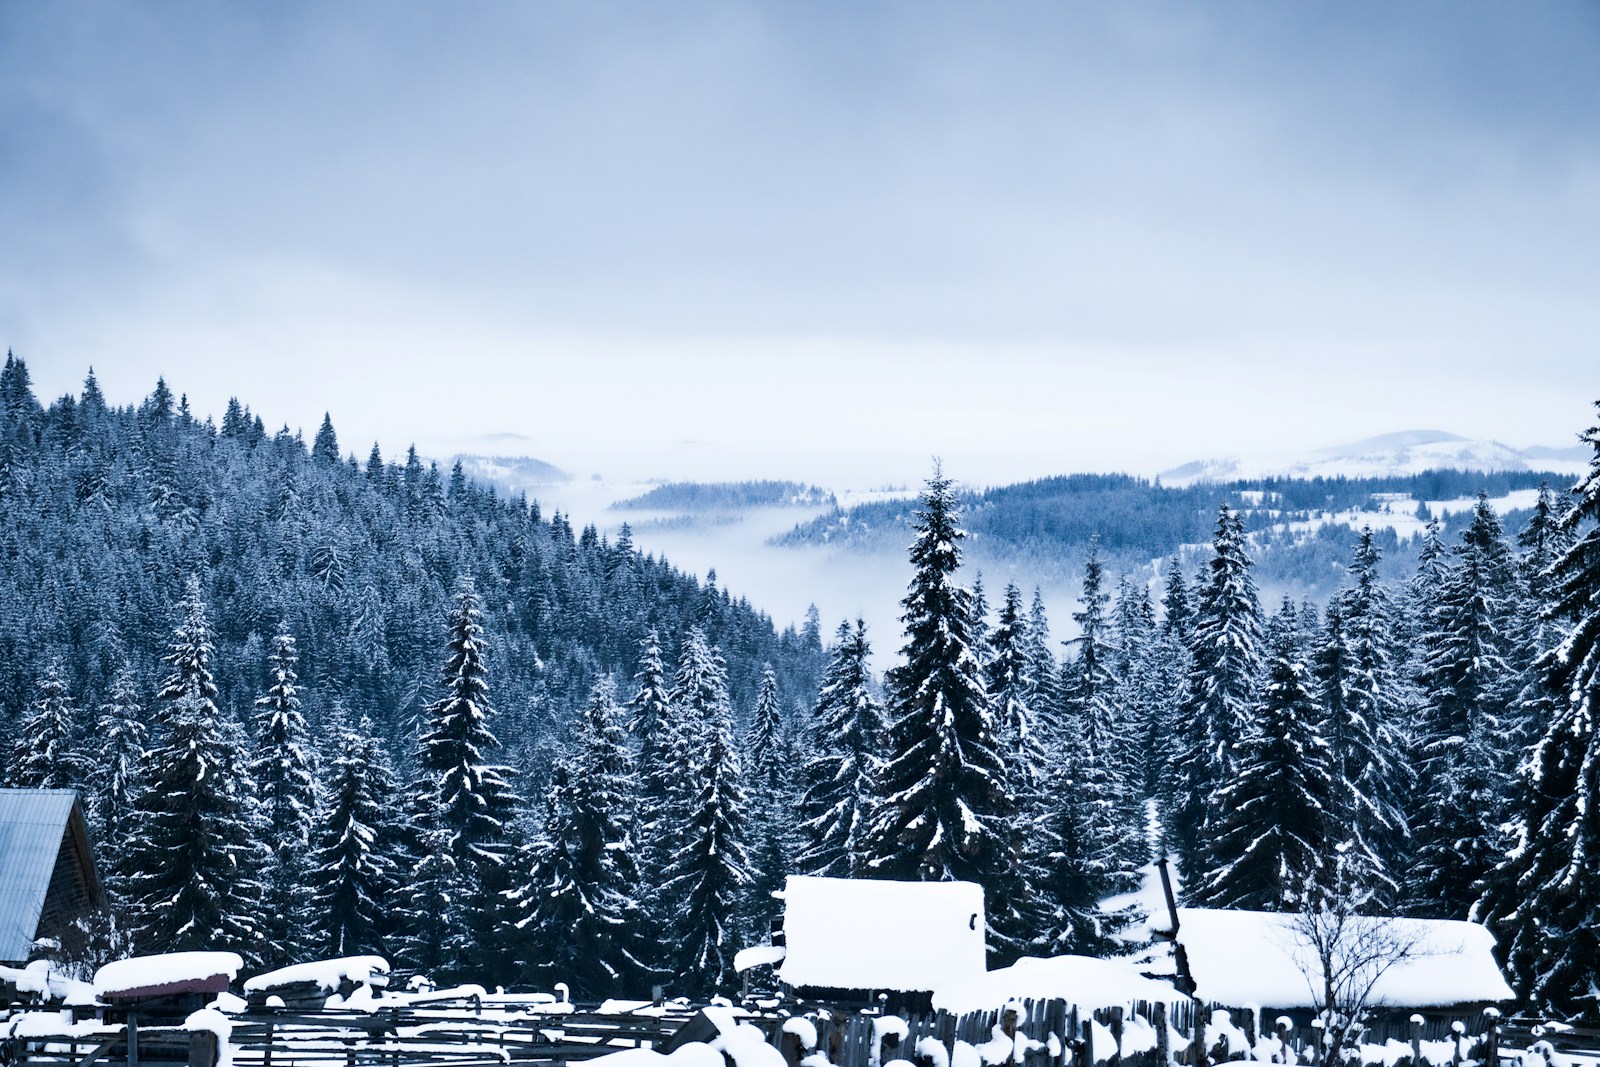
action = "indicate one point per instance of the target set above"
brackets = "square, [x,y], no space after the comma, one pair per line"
[649,707]
[1070,867]
[837,781]
[465,805]
[943,810]
[352,870]
[768,774]
[194,864]
[1366,704]
[1467,686]
[1092,722]
[1042,666]
[47,755]
[1269,834]
[699,695]
[1547,900]
[281,769]
[581,920]
[1225,667]
[709,874]
[115,781]
[1011,691]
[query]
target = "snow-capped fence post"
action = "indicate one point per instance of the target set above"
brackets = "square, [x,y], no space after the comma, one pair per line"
[1458,1032]
[1116,1036]
[1491,1037]
[1285,1028]
[1158,1018]
[1086,1042]
[1416,1041]
[203,1049]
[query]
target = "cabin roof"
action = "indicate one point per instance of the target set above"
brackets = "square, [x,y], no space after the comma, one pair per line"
[35,826]
[846,933]
[1264,958]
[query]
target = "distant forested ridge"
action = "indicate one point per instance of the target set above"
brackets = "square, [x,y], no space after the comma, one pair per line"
[696,496]
[106,512]
[1045,525]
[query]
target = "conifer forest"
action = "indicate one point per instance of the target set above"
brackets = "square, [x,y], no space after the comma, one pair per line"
[370,706]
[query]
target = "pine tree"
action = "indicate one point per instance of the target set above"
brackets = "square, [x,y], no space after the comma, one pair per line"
[194,864]
[1269,836]
[846,727]
[352,869]
[1365,704]
[943,810]
[1467,686]
[1042,666]
[282,772]
[465,804]
[47,755]
[1547,898]
[709,873]
[1011,689]
[115,782]
[581,917]
[325,447]
[1091,722]
[772,809]
[1225,664]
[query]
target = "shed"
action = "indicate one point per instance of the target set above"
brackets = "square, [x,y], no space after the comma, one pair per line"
[47,868]
[848,940]
[1263,958]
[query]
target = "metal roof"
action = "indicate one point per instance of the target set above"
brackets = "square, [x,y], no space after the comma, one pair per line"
[33,824]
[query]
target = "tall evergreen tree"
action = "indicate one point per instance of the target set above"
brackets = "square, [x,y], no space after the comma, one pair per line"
[1269,836]
[1011,690]
[846,728]
[943,809]
[1225,665]
[194,865]
[1467,686]
[47,753]
[581,916]
[282,771]
[1547,897]
[352,870]
[772,808]
[116,780]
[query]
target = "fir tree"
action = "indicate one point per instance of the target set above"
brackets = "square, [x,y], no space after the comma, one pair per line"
[193,866]
[943,810]
[772,810]
[47,754]
[709,874]
[1011,689]
[1546,896]
[1225,664]
[1467,685]
[1269,836]
[326,445]
[352,869]
[115,782]
[581,917]
[846,726]
[281,770]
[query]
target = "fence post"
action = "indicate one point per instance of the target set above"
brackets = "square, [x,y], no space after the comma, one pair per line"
[1457,1032]
[1285,1030]
[1116,1036]
[1158,1019]
[1491,1038]
[1087,1040]
[1202,1049]
[1416,1041]
[133,1039]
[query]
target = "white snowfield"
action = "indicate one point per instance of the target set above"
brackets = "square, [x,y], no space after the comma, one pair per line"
[141,972]
[326,974]
[1086,981]
[881,935]
[1253,957]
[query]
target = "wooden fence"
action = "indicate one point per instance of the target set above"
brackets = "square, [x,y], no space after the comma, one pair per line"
[489,1034]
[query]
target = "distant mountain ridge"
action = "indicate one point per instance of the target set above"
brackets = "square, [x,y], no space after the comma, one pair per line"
[1387,455]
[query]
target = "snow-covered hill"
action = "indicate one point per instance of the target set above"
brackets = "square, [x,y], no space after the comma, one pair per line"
[1407,452]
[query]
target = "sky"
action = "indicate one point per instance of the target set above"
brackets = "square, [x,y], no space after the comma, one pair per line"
[717,239]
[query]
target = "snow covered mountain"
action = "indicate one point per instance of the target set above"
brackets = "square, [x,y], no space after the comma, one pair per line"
[1407,452]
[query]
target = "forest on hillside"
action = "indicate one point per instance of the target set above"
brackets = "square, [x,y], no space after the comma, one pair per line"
[375,708]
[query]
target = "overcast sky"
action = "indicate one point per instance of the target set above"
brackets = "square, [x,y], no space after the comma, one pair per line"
[1040,237]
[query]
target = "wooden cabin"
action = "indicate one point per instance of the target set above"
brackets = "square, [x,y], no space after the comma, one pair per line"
[47,869]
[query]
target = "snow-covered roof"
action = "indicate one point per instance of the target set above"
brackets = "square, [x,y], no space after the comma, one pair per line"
[1254,957]
[847,933]
[173,972]
[1088,982]
[327,974]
